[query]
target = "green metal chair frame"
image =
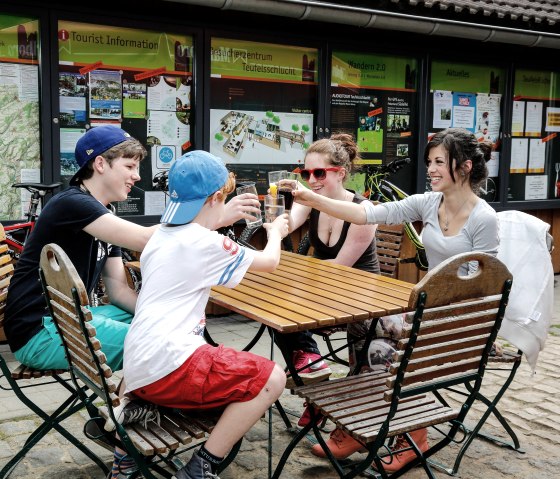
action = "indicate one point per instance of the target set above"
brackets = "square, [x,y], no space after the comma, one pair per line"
[36,378]
[446,343]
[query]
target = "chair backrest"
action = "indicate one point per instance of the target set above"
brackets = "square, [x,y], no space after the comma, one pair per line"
[448,337]
[6,273]
[68,300]
[388,240]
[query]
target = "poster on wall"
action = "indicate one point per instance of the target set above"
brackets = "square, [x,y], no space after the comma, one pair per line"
[261,106]
[470,96]
[535,168]
[373,98]
[139,80]
[20,155]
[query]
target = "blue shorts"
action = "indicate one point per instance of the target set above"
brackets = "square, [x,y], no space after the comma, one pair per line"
[45,350]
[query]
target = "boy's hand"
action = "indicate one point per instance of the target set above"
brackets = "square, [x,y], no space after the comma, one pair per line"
[239,207]
[280,225]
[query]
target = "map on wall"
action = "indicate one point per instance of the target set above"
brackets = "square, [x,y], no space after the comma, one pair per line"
[19,114]
[259,137]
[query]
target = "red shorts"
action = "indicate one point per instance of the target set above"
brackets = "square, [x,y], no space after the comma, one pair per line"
[211,377]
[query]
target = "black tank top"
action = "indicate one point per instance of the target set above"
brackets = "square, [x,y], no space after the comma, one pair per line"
[367,262]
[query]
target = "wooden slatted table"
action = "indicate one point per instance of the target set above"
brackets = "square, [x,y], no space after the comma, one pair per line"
[306,293]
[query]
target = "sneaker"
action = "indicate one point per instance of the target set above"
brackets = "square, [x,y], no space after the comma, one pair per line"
[400,459]
[308,374]
[196,468]
[340,444]
[130,411]
[305,418]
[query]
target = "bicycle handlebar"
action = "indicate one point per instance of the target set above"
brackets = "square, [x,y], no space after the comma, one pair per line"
[391,167]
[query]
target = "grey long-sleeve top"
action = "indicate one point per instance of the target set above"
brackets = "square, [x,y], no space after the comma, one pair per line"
[479,233]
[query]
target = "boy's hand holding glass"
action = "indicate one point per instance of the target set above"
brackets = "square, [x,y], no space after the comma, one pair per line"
[247,205]
[279,224]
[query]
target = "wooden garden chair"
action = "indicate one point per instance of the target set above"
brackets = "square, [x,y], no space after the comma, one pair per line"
[152,446]
[447,340]
[20,379]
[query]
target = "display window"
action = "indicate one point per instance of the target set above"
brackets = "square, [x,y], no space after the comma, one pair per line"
[373,97]
[139,80]
[263,99]
[470,96]
[20,143]
[534,172]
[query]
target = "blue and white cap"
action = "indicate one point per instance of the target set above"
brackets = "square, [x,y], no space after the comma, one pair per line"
[192,178]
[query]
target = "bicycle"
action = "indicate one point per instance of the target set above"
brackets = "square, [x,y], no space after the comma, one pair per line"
[379,188]
[17,233]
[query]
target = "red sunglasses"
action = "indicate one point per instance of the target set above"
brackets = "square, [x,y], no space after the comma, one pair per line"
[318,173]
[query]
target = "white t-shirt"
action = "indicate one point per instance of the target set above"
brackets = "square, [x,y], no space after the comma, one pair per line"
[479,233]
[179,266]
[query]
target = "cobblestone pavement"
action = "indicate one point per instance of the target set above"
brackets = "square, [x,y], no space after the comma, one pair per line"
[531,404]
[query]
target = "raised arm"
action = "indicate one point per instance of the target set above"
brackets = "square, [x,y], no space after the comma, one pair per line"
[267,260]
[344,210]
[115,230]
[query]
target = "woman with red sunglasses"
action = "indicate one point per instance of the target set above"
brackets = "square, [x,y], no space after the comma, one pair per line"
[328,163]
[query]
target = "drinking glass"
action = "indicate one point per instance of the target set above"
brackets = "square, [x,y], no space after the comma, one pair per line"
[275,176]
[286,185]
[273,207]
[257,217]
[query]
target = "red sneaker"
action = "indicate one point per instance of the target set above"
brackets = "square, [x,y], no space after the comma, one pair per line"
[341,445]
[309,374]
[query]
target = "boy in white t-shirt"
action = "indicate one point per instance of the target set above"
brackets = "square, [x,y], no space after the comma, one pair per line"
[166,360]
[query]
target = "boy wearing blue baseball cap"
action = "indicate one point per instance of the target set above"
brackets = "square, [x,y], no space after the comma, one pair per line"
[78,219]
[167,361]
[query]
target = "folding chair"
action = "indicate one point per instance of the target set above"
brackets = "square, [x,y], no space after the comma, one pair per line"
[150,445]
[447,340]
[21,378]
[525,247]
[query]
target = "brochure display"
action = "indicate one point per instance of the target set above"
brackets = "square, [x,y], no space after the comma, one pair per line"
[535,146]
[373,98]
[138,80]
[470,96]
[263,98]
[20,148]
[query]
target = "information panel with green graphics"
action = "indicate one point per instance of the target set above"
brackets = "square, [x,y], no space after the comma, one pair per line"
[467,77]
[537,84]
[262,106]
[535,144]
[140,80]
[262,61]
[20,146]
[469,96]
[373,98]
